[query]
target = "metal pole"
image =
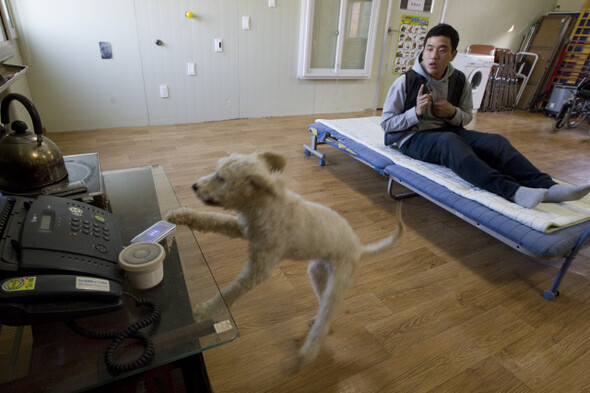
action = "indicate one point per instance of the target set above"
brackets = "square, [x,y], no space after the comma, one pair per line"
[444,11]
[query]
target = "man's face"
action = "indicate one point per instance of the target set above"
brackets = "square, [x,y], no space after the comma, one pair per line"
[437,55]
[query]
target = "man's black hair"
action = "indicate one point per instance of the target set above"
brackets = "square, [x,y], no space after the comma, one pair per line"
[445,30]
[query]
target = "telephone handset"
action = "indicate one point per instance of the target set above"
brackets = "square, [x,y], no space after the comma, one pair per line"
[58,260]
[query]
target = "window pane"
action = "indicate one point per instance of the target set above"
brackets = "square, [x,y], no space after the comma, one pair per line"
[325,33]
[358,20]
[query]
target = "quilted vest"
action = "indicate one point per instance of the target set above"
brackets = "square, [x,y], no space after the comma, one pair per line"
[413,83]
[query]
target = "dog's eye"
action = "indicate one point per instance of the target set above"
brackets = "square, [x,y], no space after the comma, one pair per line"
[219,178]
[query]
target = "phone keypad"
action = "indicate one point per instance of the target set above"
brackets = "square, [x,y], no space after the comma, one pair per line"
[98,229]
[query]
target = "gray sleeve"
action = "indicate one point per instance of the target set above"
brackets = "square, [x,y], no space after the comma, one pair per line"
[394,118]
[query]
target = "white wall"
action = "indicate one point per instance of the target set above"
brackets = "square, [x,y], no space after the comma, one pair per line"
[488,22]
[570,5]
[255,76]
[71,86]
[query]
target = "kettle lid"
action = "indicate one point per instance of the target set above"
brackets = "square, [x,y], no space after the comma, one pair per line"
[20,134]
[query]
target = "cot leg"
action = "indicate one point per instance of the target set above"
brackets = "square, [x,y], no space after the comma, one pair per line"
[398,196]
[313,150]
[554,292]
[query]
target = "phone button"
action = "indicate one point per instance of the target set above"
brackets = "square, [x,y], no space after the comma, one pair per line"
[101,248]
[99,218]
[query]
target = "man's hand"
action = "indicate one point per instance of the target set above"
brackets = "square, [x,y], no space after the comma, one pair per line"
[443,109]
[422,102]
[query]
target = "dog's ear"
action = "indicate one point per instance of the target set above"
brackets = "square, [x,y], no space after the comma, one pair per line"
[274,161]
[260,184]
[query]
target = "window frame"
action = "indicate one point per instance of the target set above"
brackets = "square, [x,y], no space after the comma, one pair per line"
[305,44]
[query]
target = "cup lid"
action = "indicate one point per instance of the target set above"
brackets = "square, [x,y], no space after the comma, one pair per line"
[141,256]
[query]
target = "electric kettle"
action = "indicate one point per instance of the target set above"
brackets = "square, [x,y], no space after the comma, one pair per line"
[28,161]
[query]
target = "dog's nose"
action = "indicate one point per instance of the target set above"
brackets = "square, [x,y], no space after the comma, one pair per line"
[195,187]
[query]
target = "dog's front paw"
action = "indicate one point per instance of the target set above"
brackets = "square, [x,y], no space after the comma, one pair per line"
[180,216]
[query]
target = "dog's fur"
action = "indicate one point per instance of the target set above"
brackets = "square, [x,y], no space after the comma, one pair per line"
[279,225]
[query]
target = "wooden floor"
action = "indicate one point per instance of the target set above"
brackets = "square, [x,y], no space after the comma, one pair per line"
[449,309]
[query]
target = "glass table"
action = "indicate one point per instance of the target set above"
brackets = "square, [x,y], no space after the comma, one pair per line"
[51,358]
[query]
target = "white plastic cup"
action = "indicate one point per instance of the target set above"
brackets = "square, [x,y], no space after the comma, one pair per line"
[143,264]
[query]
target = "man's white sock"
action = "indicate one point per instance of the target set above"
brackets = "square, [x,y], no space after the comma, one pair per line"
[562,193]
[529,197]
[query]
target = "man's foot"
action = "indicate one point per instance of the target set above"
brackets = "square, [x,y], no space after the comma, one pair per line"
[529,197]
[562,193]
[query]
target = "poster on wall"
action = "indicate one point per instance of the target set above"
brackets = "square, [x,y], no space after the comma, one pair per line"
[412,30]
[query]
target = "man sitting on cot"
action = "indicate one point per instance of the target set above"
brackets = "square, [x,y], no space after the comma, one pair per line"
[424,114]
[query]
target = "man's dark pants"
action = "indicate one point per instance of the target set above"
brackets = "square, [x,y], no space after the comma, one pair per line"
[485,160]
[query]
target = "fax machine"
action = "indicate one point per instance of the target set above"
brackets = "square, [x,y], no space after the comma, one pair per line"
[58,260]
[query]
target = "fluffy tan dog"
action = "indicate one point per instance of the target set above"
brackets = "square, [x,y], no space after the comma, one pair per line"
[279,225]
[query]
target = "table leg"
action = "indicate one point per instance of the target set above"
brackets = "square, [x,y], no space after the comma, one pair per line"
[194,373]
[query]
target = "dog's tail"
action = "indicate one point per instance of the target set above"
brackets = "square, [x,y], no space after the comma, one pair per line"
[376,247]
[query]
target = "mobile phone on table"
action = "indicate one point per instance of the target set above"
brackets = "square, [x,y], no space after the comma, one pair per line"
[155,233]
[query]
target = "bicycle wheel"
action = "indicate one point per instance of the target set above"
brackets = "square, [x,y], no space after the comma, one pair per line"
[578,112]
[562,118]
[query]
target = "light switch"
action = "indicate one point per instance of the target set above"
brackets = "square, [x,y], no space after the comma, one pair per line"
[164,91]
[245,23]
[272,3]
[218,45]
[191,68]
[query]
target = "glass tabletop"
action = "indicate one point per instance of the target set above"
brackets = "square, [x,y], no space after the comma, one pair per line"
[50,357]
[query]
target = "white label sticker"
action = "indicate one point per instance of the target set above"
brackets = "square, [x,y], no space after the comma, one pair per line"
[223,326]
[416,5]
[93,284]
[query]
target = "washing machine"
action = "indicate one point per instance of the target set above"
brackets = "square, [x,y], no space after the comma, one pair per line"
[477,69]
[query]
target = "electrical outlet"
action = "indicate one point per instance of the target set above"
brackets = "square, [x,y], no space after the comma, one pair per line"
[218,45]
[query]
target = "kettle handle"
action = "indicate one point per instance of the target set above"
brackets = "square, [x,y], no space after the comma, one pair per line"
[4,118]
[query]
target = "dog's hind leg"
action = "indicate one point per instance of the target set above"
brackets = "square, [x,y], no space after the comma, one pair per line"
[319,270]
[338,282]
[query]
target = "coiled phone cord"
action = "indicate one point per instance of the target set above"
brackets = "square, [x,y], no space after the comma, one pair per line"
[132,331]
